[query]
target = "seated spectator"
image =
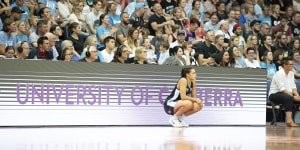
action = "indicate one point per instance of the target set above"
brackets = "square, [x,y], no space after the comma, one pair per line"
[275,15]
[152,57]
[90,41]
[140,56]
[132,41]
[281,43]
[219,43]
[252,42]
[296,61]
[122,33]
[268,64]
[197,6]
[6,36]
[77,16]
[53,8]
[43,51]
[66,54]
[67,44]
[104,30]
[180,39]
[284,28]
[188,53]
[22,50]
[91,55]
[9,52]
[222,58]
[45,15]
[64,8]
[111,13]
[157,39]
[164,52]
[52,40]
[266,46]
[41,29]
[33,20]
[92,18]
[16,13]
[22,32]
[157,21]
[175,57]
[20,4]
[131,6]
[295,44]
[177,17]
[235,59]
[212,24]
[200,32]
[190,31]
[76,37]
[108,53]
[224,30]
[121,55]
[250,61]
[277,57]
[206,49]
[57,32]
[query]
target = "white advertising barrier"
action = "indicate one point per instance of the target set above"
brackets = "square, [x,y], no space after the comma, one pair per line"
[41,93]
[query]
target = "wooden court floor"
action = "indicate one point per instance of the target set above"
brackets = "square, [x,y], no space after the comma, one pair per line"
[150,138]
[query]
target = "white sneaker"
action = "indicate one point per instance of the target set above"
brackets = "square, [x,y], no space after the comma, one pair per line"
[184,124]
[175,122]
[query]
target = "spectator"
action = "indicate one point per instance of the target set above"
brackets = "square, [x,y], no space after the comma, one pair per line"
[296,61]
[131,6]
[295,45]
[188,52]
[237,31]
[9,52]
[255,28]
[168,5]
[152,57]
[284,28]
[164,52]
[108,52]
[66,54]
[6,36]
[266,46]
[190,31]
[67,44]
[123,27]
[53,7]
[157,40]
[281,44]
[277,58]
[16,13]
[20,4]
[121,55]
[52,39]
[222,58]
[235,59]
[219,43]
[77,15]
[209,7]
[41,30]
[267,63]
[221,11]
[22,50]
[181,4]
[64,8]
[197,6]
[206,49]
[43,51]
[275,17]
[250,17]
[265,29]
[265,17]
[33,20]
[176,58]
[57,32]
[22,32]
[104,30]
[111,13]
[173,36]
[177,19]
[75,37]
[212,24]
[250,58]
[224,30]
[231,21]
[294,24]
[90,41]
[181,36]
[92,18]
[136,18]
[140,56]
[252,42]
[132,41]
[91,55]
[157,21]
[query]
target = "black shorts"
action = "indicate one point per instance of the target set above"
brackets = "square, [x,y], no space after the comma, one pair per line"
[168,109]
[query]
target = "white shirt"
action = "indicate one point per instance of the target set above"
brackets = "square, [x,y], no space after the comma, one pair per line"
[255,64]
[281,82]
[107,57]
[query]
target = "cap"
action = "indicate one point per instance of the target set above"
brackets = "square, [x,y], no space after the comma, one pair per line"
[254,22]
[16,9]
[181,32]
[235,27]
[140,5]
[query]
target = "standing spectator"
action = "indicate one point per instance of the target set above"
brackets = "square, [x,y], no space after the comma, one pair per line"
[6,36]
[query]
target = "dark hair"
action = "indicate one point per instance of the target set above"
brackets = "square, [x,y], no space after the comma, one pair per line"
[265,55]
[249,49]
[185,71]
[40,23]
[285,60]
[107,39]
[276,55]
[72,26]
[231,56]
[53,28]
[9,48]
[101,18]
[41,40]
[42,11]
[194,3]
[7,22]
[174,50]
[264,38]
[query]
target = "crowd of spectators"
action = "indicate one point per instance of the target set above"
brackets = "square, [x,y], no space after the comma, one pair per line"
[223,33]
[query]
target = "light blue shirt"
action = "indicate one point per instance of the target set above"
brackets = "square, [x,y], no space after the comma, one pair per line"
[22,38]
[51,4]
[101,31]
[7,41]
[209,26]
[113,20]
[271,68]
[265,19]
[1,24]
[25,15]
[240,63]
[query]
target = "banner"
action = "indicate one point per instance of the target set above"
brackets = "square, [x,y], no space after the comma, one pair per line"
[39,92]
